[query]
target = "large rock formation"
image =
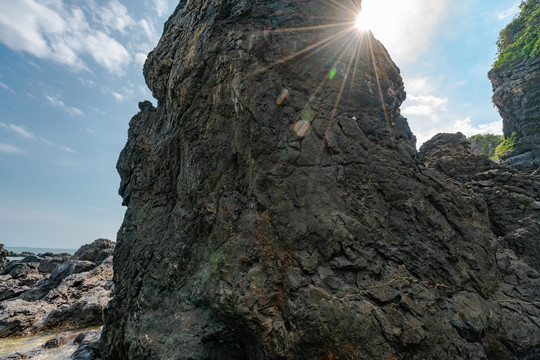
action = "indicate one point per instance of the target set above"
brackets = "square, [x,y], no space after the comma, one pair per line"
[515,93]
[276,208]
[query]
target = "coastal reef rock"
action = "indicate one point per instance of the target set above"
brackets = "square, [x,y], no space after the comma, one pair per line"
[515,93]
[277,207]
[36,296]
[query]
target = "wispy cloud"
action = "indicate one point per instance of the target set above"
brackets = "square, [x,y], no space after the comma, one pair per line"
[10,149]
[114,16]
[161,7]
[18,129]
[94,208]
[4,86]
[22,131]
[67,33]
[510,12]
[60,147]
[60,104]
[117,96]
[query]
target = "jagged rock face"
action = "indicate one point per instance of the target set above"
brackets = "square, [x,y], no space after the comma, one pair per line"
[246,237]
[512,196]
[515,93]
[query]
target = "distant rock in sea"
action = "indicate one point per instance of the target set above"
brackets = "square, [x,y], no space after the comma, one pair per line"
[3,257]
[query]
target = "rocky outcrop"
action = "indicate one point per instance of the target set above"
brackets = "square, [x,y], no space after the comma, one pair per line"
[276,208]
[512,196]
[72,295]
[88,346]
[515,93]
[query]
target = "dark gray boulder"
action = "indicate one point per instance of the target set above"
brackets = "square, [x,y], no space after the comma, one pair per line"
[95,252]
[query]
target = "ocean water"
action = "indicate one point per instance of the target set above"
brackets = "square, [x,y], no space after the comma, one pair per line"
[18,250]
[26,343]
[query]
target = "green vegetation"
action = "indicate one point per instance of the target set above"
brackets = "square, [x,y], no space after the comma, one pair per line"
[506,146]
[485,144]
[520,40]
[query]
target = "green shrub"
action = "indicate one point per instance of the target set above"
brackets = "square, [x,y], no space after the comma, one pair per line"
[485,144]
[520,40]
[506,146]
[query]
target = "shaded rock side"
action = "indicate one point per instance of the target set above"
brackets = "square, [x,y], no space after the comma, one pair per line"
[248,235]
[515,93]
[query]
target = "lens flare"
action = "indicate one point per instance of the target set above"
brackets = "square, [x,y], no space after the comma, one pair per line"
[282,96]
[301,128]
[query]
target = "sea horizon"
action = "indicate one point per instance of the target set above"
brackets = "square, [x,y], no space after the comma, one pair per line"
[39,250]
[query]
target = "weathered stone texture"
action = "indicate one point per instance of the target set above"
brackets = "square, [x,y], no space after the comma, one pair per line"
[246,239]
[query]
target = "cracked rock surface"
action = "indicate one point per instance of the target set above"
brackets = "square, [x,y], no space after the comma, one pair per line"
[277,210]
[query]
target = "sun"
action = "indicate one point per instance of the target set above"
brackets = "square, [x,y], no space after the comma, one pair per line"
[362,22]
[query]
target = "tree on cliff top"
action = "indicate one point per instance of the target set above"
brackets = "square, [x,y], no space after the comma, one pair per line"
[520,40]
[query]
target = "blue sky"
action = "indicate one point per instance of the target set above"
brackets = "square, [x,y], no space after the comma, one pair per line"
[71,78]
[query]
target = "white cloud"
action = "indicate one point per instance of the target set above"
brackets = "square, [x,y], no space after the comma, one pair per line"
[2,85]
[55,31]
[428,115]
[60,104]
[161,7]
[408,28]
[107,52]
[464,126]
[140,58]
[10,149]
[426,105]
[418,86]
[114,16]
